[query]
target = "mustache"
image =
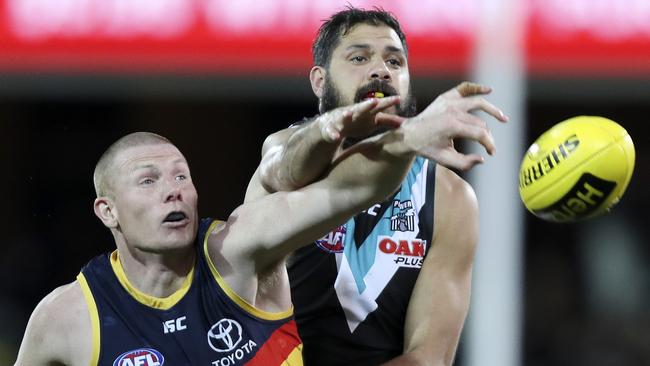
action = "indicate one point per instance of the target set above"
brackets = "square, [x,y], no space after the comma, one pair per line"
[376,85]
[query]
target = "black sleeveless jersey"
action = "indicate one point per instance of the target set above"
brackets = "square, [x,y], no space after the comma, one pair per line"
[203,324]
[352,287]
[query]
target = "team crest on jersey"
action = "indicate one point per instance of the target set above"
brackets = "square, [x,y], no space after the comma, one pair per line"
[333,241]
[406,252]
[402,216]
[140,357]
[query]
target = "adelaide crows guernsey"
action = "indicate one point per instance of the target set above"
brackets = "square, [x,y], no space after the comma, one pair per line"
[352,287]
[203,324]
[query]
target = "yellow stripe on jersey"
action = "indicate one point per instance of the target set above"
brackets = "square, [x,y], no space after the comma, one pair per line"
[295,357]
[248,307]
[94,318]
[162,303]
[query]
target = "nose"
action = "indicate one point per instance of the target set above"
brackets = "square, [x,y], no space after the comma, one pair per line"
[174,193]
[379,70]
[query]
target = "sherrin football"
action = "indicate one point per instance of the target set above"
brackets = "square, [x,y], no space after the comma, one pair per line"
[578,169]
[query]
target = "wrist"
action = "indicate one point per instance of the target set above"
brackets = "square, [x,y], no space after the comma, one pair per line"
[396,142]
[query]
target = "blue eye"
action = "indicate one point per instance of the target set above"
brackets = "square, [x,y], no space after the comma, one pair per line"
[147,181]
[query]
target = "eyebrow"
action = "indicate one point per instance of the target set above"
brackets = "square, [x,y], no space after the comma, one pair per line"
[144,166]
[365,46]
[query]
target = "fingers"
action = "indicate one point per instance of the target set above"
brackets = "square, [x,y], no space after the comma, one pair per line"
[373,106]
[470,92]
[365,106]
[453,159]
[477,132]
[466,89]
[480,103]
[331,134]
[387,102]
[389,120]
[331,131]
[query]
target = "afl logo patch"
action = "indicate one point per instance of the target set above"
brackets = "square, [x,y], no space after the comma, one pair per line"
[140,357]
[333,241]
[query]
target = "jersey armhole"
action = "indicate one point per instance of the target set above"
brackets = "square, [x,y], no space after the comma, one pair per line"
[232,295]
[94,318]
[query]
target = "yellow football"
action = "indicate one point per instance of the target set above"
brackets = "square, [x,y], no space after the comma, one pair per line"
[577,169]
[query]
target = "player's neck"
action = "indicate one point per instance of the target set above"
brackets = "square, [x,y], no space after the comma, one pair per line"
[157,275]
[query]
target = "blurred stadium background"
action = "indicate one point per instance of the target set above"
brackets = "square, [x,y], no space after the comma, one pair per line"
[217,76]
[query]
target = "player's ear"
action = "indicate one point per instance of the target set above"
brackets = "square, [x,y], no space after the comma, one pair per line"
[317,78]
[105,210]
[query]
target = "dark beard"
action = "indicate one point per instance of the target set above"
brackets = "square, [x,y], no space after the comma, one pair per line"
[332,98]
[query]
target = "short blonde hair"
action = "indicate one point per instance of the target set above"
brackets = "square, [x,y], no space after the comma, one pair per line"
[104,165]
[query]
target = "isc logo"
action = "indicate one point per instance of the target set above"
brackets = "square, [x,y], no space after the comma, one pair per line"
[173,325]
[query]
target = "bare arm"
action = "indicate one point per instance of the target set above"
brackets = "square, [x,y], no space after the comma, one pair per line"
[297,156]
[58,332]
[294,157]
[440,299]
[262,232]
[271,227]
[291,158]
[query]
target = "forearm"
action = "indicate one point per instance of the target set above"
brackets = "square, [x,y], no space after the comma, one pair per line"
[442,303]
[298,161]
[366,173]
[372,169]
[435,319]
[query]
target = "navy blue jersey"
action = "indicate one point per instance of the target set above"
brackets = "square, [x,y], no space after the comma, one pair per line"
[352,287]
[203,323]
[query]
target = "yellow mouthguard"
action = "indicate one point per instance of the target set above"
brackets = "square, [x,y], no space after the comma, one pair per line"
[379,95]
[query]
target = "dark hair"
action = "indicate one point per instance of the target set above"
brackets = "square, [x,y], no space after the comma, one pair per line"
[339,24]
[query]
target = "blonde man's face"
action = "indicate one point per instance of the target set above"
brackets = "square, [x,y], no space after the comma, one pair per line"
[155,201]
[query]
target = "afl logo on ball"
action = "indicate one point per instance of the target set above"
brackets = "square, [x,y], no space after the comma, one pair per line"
[333,241]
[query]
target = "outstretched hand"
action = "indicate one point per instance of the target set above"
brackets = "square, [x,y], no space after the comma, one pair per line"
[359,119]
[432,132]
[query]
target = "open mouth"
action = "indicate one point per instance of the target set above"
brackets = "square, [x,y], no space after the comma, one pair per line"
[374,94]
[375,89]
[175,216]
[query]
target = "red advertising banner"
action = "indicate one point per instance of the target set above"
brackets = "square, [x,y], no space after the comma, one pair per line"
[583,37]
[602,38]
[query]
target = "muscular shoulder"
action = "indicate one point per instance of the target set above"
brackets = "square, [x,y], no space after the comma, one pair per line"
[59,330]
[276,139]
[456,211]
[453,193]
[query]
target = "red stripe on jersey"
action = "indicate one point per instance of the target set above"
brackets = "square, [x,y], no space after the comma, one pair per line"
[278,346]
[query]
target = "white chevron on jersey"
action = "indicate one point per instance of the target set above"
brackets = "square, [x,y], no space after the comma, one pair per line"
[358,304]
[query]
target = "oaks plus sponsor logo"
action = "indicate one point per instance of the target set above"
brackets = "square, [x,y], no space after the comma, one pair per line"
[333,241]
[140,357]
[226,337]
[406,252]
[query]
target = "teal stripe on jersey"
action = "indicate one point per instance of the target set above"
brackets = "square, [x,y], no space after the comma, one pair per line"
[363,258]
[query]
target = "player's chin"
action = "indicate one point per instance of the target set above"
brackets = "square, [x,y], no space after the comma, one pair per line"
[179,237]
